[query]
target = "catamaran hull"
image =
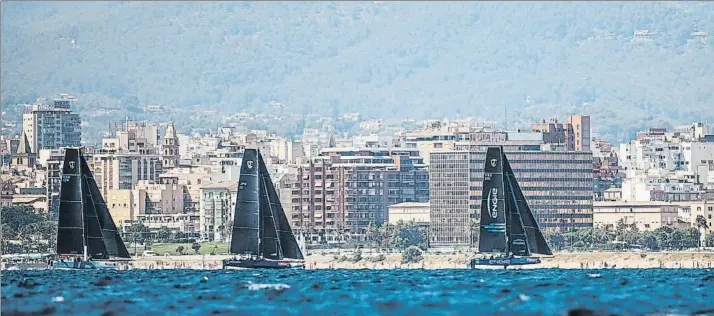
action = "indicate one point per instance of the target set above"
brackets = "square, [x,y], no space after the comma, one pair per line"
[262,264]
[69,265]
[516,261]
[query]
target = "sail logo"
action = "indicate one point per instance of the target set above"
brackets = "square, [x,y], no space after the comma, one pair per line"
[71,164]
[493,202]
[249,164]
[493,163]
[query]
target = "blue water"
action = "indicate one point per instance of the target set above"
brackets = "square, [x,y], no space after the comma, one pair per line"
[358,292]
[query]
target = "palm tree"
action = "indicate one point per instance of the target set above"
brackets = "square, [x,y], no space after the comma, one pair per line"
[701,222]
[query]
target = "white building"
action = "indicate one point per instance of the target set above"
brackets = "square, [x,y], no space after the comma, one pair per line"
[217,205]
[647,216]
[51,127]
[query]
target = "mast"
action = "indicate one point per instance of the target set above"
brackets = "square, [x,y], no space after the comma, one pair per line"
[84,219]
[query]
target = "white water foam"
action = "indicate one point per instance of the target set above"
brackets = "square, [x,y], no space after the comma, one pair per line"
[277,286]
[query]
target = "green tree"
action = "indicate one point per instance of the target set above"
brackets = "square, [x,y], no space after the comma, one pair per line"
[702,225]
[649,241]
[407,234]
[179,250]
[474,229]
[413,254]
[196,246]
[163,235]
[137,233]
[709,242]
[556,240]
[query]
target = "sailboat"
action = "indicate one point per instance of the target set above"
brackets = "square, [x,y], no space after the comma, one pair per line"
[262,237]
[87,237]
[508,226]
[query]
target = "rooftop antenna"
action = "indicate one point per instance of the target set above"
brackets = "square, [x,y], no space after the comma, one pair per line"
[505,116]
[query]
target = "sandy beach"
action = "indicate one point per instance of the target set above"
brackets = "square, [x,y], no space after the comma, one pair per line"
[583,260]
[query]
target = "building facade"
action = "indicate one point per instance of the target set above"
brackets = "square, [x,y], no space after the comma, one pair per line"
[121,171]
[410,211]
[558,186]
[339,193]
[217,206]
[646,216]
[50,127]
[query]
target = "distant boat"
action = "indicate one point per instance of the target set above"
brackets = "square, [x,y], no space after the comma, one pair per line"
[262,237]
[508,226]
[87,237]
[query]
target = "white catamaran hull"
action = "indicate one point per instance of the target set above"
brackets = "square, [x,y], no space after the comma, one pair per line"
[262,264]
[91,264]
[511,261]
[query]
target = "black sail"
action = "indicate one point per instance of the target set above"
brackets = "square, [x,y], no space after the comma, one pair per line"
[269,239]
[517,239]
[245,238]
[112,239]
[288,242]
[70,226]
[92,228]
[493,216]
[536,240]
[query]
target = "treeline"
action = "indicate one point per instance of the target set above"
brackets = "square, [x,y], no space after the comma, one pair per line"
[399,236]
[26,230]
[624,236]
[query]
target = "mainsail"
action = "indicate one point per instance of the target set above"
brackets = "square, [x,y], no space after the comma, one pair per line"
[492,236]
[70,227]
[245,238]
[260,226]
[507,223]
[112,240]
[85,225]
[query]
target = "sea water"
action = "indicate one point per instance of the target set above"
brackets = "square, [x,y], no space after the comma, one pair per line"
[358,292]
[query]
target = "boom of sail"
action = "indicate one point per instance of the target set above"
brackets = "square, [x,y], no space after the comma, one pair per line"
[507,222]
[260,226]
[85,225]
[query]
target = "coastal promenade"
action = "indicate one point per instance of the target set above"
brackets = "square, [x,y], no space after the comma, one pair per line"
[582,260]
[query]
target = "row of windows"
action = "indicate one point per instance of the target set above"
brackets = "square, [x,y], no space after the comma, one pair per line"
[537,161]
[542,189]
[547,198]
[540,179]
[545,170]
[547,207]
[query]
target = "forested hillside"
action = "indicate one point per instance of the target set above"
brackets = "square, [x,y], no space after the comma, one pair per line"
[385,59]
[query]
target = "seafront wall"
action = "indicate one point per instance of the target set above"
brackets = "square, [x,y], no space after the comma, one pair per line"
[583,260]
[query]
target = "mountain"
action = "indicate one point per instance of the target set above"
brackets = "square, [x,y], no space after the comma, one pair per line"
[388,59]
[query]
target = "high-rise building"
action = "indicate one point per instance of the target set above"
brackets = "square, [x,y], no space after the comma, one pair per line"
[558,186]
[133,136]
[49,127]
[581,131]
[121,171]
[555,132]
[339,193]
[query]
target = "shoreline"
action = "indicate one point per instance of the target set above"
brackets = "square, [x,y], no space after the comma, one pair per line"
[582,260]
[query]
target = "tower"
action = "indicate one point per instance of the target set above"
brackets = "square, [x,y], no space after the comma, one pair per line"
[24,157]
[170,148]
